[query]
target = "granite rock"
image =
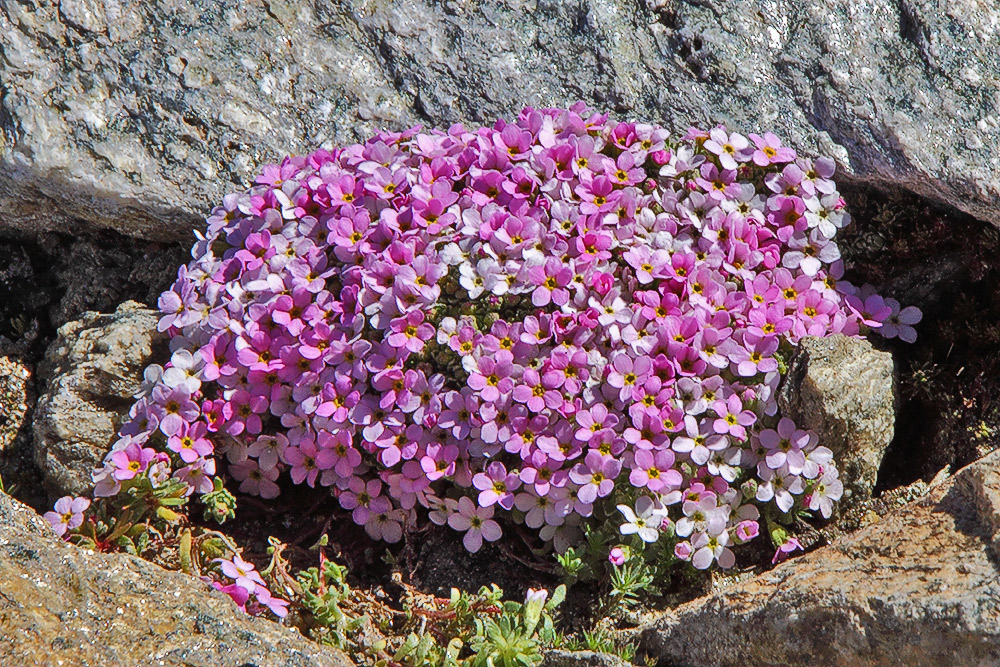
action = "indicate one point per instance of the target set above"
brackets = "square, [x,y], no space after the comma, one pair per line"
[63,605]
[581,659]
[844,389]
[91,372]
[16,399]
[919,587]
[139,116]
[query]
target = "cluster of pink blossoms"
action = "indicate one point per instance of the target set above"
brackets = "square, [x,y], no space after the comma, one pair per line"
[510,324]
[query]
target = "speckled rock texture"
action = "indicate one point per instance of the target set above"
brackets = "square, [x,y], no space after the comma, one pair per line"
[844,389]
[92,371]
[139,116]
[920,587]
[581,659]
[62,605]
[16,399]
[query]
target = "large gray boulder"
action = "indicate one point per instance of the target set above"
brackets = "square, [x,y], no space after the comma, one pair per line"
[919,587]
[62,605]
[92,370]
[139,116]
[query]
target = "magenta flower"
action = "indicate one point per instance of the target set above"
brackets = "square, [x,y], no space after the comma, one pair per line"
[131,461]
[410,333]
[598,195]
[769,150]
[238,594]
[732,418]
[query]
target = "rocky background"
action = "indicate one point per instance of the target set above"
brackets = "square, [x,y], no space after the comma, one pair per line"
[123,122]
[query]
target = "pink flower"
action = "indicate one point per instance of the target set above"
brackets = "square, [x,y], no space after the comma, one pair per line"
[729,148]
[476,522]
[596,475]
[496,486]
[616,556]
[190,442]
[733,419]
[551,279]
[769,150]
[518,311]
[244,574]
[785,549]
[239,594]
[494,376]
[747,530]
[131,461]
[900,322]
[308,461]
[410,333]
[277,606]
[67,514]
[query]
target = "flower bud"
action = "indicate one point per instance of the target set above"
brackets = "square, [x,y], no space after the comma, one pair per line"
[617,557]
[660,158]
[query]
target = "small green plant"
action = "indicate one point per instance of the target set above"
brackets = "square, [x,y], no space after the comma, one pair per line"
[465,629]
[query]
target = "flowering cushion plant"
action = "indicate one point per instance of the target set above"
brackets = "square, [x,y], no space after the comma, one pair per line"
[511,324]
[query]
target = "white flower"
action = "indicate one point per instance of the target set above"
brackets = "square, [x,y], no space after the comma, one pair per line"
[150,378]
[645,520]
[471,280]
[712,546]
[452,254]
[828,489]
[183,371]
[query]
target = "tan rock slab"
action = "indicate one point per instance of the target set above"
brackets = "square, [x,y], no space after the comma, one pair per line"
[62,605]
[919,587]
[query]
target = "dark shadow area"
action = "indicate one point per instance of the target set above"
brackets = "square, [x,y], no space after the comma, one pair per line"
[50,279]
[947,264]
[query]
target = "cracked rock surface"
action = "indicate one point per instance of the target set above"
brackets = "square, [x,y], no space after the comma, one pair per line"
[140,116]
